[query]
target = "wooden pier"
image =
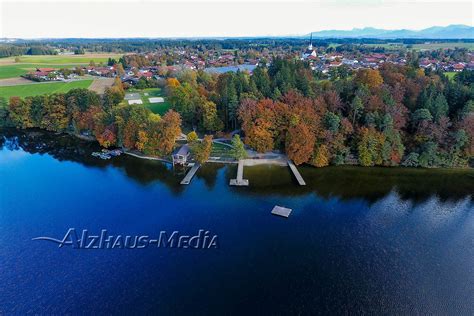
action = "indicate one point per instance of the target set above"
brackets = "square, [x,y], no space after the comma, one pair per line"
[189,176]
[240,181]
[297,174]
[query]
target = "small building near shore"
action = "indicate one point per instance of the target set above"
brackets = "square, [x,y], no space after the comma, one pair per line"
[181,156]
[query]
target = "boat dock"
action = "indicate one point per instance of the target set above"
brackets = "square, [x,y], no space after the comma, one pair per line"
[240,181]
[281,211]
[189,176]
[297,174]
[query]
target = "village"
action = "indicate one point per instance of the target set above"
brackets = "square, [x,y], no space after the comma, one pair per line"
[323,60]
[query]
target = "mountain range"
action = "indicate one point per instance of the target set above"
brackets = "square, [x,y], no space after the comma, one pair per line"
[436,32]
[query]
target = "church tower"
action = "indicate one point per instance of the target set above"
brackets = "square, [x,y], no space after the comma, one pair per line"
[310,46]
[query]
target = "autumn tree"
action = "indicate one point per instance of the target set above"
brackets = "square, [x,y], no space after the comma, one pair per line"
[55,116]
[299,143]
[170,129]
[370,147]
[202,150]
[192,137]
[210,119]
[369,77]
[19,112]
[321,156]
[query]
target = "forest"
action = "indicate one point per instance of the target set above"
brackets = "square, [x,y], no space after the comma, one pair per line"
[394,115]
[390,116]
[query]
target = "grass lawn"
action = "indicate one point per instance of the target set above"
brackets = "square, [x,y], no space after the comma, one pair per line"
[157,108]
[219,150]
[42,88]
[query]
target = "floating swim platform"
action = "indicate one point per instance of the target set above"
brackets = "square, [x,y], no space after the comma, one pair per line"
[281,211]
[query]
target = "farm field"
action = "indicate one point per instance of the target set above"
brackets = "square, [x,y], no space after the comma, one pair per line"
[157,108]
[17,70]
[469,46]
[10,69]
[42,88]
[60,59]
[425,46]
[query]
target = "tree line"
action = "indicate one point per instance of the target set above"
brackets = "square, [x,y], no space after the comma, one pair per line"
[84,112]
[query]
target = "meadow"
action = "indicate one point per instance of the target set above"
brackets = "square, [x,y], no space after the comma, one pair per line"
[42,88]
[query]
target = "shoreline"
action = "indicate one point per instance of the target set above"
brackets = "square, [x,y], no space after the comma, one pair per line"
[248,161]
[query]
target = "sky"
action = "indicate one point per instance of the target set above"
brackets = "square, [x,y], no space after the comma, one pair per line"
[220,18]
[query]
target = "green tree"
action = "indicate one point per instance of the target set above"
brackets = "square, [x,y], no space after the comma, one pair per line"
[238,150]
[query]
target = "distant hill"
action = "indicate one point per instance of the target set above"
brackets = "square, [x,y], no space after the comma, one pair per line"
[435,32]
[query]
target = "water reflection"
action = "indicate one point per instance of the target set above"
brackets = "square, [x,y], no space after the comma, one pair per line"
[346,182]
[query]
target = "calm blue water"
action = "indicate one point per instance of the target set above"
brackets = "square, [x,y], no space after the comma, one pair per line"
[352,244]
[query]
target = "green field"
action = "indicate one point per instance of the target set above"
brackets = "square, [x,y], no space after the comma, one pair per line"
[450,74]
[424,46]
[157,108]
[17,70]
[42,88]
[10,69]
[433,46]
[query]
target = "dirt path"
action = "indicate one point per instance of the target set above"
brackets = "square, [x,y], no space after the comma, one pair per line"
[100,84]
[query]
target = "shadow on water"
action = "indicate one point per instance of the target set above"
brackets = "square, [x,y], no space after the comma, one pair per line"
[344,182]
[370,184]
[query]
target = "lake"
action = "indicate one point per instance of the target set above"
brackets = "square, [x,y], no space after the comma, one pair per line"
[224,69]
[359,240]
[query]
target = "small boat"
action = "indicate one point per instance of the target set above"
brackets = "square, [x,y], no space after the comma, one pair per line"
[115,152]
[104,156]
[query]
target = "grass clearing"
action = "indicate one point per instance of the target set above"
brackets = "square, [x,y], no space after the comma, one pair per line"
[450,75]
[157,108]
[42,88]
